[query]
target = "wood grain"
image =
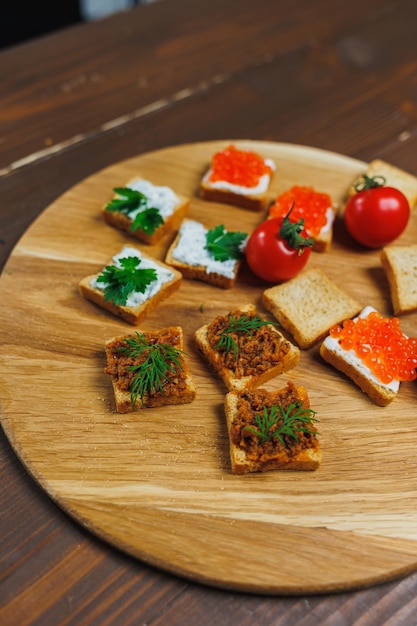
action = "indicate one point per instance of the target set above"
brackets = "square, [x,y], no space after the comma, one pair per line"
[157,483]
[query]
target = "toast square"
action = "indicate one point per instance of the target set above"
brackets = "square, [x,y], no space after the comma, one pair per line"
[253,357]
[249,453]
[172,208]
[308,305]
[237,164]
[138,305]
[176,385]
[188,255]
[347,362]
[400,266]
[316,208]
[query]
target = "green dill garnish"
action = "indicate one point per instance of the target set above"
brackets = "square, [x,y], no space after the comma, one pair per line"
[245,325]
[159,361]
[130,200]
[224,245]
[288,422]
[120,282]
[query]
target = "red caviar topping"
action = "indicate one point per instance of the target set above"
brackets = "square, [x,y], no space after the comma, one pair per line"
[239,167]
[309,205]
[381,345]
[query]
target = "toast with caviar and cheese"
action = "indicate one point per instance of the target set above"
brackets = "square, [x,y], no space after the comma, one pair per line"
[393,177]
[315,208]
[146,211]
[400,266]
[135,389]
[256,421]
[189,255]
[131,285]
[238,177]
[244,349]
[381,386]
[308,305]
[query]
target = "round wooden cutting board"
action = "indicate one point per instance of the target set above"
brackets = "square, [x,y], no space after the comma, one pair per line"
[157,483]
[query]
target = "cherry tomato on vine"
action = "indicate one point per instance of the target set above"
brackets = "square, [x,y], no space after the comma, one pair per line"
[278,249]
[376,215]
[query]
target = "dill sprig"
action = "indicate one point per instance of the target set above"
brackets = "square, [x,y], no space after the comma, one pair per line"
[130,200]
[287,422]
[158,362]
[244,325]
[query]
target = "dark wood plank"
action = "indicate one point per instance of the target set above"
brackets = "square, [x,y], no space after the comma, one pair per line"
[76,84]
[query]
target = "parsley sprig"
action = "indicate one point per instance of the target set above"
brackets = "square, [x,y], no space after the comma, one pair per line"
[291,232]
[224,245]
[158,361]
[120,282]
[244,325]
[287,422]
[130,200]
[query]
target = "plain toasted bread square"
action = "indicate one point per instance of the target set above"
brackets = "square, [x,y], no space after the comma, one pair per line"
[308,305]
[394,177]
[348,363]
[248,454]
[134,313]
[172,218]
[400,266]
[262,354]
[178,386]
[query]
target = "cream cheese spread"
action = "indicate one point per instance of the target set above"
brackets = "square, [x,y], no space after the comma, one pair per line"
[162,198]
[330,217]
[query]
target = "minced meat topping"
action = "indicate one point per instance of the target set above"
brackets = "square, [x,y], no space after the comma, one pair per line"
[253,352]
[120,364]
[252,403]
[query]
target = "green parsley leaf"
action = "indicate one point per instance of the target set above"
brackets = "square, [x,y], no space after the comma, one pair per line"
[224,245]
[158,361]
[129,201]
[122,281]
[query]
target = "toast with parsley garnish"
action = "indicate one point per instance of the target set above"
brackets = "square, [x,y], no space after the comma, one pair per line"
[131,285]
[145,211]
[212,256]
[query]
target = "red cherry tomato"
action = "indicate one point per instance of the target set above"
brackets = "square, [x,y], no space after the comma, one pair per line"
[273,256]
[376,216]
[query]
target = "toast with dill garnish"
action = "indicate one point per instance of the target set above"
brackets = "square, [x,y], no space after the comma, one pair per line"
[149,369]
[272,430]
[244,349]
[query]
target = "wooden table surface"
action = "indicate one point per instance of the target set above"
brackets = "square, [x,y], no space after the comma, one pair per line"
[338,76]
